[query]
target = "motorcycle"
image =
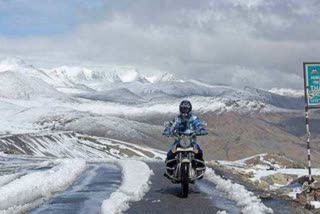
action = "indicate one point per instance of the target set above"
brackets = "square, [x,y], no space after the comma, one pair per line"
[185,168]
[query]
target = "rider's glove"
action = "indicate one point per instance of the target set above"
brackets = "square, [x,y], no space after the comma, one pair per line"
[166,133]
[203,132]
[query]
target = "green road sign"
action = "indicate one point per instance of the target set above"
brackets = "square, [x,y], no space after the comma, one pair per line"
[312,84]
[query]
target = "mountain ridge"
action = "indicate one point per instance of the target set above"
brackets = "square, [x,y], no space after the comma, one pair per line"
[164,87]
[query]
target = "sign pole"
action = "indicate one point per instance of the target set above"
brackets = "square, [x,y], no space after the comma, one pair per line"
[308,143]
[306,89]
[311,75]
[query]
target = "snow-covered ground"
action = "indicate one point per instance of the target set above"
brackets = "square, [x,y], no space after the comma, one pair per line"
[245,199]
[276,172]
[264,168]
[30,190]
[72,145]
[5,179]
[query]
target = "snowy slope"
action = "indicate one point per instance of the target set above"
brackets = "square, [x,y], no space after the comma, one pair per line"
[130,75]
[72,145]
[167,93]
[287,92]
[72,77]
[121,95]
[56,78]
[165,77]
[19,86]
[21,67]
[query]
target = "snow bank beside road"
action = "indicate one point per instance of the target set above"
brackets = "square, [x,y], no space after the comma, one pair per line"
[5,179]
[248,202]
[23,192]
[135,184]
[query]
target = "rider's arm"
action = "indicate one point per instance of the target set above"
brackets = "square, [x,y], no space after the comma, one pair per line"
[170,128]
[198,126]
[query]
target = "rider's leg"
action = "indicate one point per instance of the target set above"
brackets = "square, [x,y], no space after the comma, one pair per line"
[199,155]
[170,154]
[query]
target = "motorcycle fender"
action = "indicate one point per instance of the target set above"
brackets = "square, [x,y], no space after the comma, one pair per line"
[185,160]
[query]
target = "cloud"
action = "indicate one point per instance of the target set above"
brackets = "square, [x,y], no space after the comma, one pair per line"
[255,42]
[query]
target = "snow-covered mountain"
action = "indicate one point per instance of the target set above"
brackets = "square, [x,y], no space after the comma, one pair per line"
[20,80]
[171,92]
[165,77]
[19,66]
[287,92]
[80,75]
[126,86]
[19,86]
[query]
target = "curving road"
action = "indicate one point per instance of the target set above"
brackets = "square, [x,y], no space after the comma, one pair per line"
[100,180]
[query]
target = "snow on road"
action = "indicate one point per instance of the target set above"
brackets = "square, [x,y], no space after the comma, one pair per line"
[5,179]
[24,189]
[87,193]
[245,199]
[30,190]
[135,183]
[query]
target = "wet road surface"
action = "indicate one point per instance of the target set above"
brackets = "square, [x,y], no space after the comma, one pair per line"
[164,197]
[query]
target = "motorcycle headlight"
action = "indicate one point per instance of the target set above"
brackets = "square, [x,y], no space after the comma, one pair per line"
[185,142]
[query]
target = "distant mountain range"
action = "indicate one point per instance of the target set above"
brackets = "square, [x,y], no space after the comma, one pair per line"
[127,86]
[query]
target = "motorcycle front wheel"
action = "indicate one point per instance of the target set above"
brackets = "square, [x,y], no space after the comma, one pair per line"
[185,179]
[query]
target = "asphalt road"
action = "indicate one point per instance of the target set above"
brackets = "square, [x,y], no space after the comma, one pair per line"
[86,194]
[164,197]
[100,180]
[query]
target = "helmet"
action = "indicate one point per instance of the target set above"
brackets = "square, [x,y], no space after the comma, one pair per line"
[185,107]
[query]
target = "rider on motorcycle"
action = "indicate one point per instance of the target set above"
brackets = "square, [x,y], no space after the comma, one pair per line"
[182,122]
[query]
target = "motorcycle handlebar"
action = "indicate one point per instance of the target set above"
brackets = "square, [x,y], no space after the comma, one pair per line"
[192,134]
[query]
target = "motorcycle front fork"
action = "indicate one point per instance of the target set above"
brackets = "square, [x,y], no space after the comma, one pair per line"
[180,158]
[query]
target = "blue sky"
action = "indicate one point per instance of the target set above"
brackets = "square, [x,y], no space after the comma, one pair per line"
[20,18]
[235,42]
